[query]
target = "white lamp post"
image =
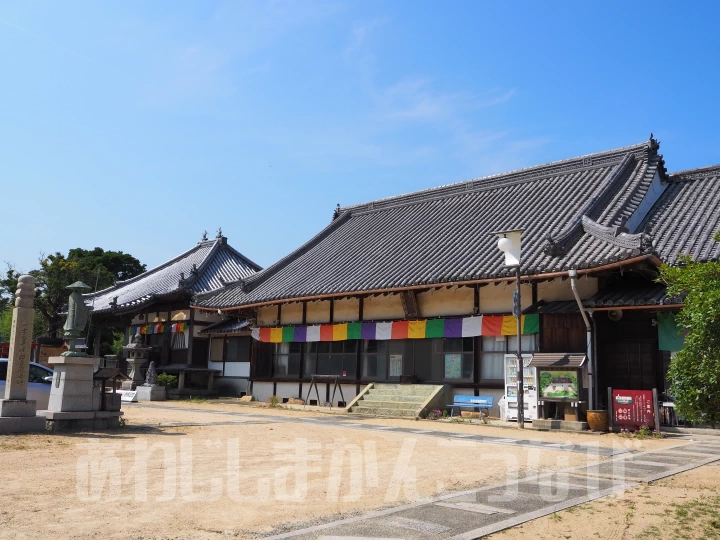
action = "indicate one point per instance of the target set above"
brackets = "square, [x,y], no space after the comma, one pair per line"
[509,243]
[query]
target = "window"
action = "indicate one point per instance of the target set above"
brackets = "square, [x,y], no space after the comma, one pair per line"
[178,341]
[374,359]
[216,349]
[286,359]
[494,348]
[331,358]
[237,349]
[457,357]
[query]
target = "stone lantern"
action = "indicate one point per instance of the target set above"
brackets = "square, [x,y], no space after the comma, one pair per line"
[137,355]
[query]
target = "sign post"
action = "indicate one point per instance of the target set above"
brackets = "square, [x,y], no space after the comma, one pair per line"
[634,408]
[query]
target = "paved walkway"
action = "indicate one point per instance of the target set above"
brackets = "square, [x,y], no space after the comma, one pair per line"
[478,512]
[365,423]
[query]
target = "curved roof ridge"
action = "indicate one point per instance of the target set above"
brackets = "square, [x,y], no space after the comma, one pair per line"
[692,174]
[119,284]
[249,262]
[501,178]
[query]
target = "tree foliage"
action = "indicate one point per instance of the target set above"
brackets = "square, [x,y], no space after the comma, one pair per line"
[695,371]
[96,268]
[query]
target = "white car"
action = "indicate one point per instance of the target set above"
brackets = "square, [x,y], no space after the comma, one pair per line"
[39,382]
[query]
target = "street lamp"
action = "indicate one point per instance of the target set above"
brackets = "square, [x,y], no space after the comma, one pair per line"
[509,243]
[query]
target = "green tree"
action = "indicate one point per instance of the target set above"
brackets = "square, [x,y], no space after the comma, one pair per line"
[695,371]
[96,268]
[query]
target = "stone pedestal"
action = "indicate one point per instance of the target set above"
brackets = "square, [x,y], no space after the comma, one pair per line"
[136,378]
[17,414]
[137,355]
[151,393]
[72,386]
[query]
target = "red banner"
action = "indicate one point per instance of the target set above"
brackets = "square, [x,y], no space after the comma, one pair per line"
[633,408]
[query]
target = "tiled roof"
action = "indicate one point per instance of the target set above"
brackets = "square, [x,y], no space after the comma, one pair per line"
[226,327]
[572,213]
[652,294]
[207,266]
[687,215]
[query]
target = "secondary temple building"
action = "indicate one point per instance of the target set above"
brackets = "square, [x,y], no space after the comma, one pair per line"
[414,289]
[207,351]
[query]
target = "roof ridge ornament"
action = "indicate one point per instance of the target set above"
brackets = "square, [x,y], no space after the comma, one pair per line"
[219,233]
[336,212]
[204,237]
[654,145]
[558,244]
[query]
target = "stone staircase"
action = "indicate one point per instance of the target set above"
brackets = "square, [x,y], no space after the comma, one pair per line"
[394,400]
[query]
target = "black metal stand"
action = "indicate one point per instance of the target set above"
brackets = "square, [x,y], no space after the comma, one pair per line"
[325,378]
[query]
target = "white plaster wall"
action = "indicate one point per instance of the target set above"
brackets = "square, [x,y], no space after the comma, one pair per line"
[291,313]
[237,369]
[558,289]
[267,315]
[380,308]
[349,391]
[346,310]
[215,365]
[180,315]
[139,319]
[158,317]
[446,302]
[288,390]
[262,390]
[208,316]
[498,298]
[318,312]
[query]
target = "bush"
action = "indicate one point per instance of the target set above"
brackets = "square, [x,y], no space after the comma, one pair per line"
[272,401]
[168,381]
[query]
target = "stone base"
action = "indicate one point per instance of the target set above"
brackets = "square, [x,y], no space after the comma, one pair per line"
[22,424]
[81,421]
[128,385]
[566,425]
[151,393]
[187,393]
[17,407]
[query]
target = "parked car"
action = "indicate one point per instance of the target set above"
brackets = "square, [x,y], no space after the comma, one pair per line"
[39,382]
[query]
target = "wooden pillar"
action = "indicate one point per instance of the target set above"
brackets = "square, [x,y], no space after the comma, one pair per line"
[96,344]
[190,336]
[181,380]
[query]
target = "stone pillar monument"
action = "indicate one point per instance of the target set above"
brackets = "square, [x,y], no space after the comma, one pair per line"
[17,413]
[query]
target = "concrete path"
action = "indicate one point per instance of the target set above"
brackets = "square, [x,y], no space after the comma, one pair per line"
[367,425]
[478,512]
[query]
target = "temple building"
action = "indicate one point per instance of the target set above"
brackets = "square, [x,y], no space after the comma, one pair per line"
[413,288]
[208,351]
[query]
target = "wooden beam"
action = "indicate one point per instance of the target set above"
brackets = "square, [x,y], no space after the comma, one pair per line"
[427,287]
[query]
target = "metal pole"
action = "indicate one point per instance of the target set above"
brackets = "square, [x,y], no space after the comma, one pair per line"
[520,367]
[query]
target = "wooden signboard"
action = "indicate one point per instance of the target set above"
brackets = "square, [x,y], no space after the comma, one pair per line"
[634,408]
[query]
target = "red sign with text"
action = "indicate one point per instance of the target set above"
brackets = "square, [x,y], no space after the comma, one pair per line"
[633,408]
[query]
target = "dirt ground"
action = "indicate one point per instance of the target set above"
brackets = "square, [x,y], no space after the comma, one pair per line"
[244,480]
[686,505]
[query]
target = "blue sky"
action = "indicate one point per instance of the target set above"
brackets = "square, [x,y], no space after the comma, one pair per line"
[149,122]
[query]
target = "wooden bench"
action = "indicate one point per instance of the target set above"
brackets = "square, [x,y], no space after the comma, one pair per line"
[472,402]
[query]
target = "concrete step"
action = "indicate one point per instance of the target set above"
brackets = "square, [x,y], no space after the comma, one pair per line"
[403,389]
[409,405]
[377,411]
[392,397]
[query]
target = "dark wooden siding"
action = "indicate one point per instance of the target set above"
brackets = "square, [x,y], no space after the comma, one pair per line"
[562,332]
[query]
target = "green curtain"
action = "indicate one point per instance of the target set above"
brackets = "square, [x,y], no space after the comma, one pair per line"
[669,336]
